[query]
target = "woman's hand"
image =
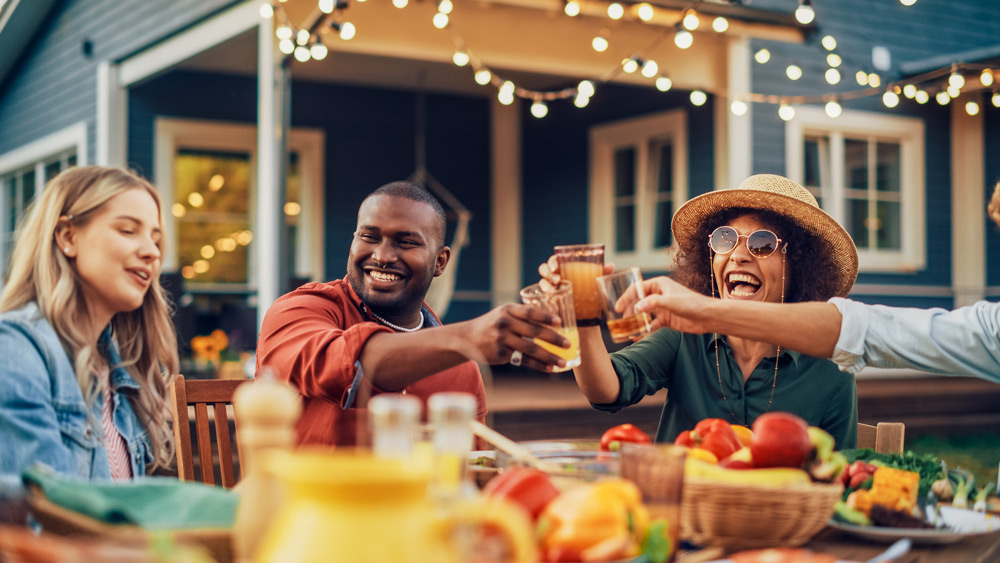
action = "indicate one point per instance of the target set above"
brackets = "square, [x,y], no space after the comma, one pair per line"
[673,305]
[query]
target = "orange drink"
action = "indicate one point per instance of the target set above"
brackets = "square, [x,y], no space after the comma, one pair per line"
[581,264]
[571,354]
[558,302]
[625,329]
[619,293]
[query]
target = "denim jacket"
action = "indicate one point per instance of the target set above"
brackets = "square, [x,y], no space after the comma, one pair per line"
[43,413]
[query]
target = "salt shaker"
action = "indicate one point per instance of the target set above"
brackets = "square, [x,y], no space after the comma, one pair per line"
[393,420]
[451,415]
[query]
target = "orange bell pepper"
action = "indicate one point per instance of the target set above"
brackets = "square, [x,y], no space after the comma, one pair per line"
[600,521]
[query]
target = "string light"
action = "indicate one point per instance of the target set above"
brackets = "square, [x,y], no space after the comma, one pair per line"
[804,13]
[539,109]
[664,83]
[400,3]
[890,99]
[874,80]
[698,97]
[483,77]
[832,76]
[460,58]
[972,108]
[921,97]
[440,20]
[572,8]
[995,99]
[942,97]
[986,77]
[266,11]
[834,60]
[645,12]
[907,2]
[690,21]
[739,107]
[650,69]
[318,51]
[683,38]
[600,42]
[762,56]
[720,24]
[833,108]
[910,91]
[786,112]
[829,42]
[585,88]
[862,77]
[630,65]
[956,80]
[445,7]
[793,72]
[616,11]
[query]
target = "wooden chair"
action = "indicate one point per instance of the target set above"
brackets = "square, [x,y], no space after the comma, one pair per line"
[202,393]
[885,437]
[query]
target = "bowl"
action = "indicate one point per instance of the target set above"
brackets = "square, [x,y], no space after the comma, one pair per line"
[568,463]
[482,466]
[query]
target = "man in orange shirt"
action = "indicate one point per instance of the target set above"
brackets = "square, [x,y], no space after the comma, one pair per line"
[339,342]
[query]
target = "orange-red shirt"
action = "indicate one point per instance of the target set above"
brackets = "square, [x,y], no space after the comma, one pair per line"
[313,337]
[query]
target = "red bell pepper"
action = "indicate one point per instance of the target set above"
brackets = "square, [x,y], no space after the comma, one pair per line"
[616,435]
[529,488]
[712,434]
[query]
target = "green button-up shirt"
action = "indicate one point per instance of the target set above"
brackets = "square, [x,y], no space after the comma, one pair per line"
[685,365]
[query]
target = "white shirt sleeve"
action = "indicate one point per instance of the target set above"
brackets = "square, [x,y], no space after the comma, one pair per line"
[965,341]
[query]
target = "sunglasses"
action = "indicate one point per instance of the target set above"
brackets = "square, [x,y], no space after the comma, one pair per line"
[760,243]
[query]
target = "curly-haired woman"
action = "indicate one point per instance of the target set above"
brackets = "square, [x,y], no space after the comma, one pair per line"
[86,343]
[767,241]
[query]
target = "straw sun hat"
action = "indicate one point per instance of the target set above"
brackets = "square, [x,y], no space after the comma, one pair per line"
[784,197]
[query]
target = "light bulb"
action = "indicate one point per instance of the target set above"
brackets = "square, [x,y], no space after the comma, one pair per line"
[663,84]
[445,7]
[691,20]
[284,32]
[954,92]
[829,42]
[832,76]
[834,60]
[302,37]
[178,210]
[699,98]
[483,77]
[581,101]
[793,72]
[326,6]
[833,109]
[762,56]
[890,99]
[650,69]
[266,11]
[505,98]
[909,91]
[318,51]
[956,80]
[720,24]
[507,87]
[539,109]
[615,11]
[739,107]
[286,46]
[585,88]
[942,98]
[862,77]
[440,20]
[683,38]
[874,80]
[347,31]
[572,8]
[207,251]
[986,77]
[600,43]
[302,54]
[786,112]
[400,3]
[644,11]
[460,58]
[971,108]
[630,65]
[995,99]
[804,13]
[921,96]
[907,2]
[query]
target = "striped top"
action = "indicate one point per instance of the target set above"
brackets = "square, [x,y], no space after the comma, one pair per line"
[115,444]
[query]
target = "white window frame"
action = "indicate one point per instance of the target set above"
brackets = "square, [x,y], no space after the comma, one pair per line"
[635,133]
[909,133]
[172,134]
[37,154]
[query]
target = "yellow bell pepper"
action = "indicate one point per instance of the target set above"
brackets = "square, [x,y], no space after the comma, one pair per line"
[600,521]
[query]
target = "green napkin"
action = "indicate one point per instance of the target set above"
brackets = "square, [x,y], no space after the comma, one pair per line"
[153,503]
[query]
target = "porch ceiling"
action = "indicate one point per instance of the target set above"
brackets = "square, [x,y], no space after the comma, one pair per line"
[528,41]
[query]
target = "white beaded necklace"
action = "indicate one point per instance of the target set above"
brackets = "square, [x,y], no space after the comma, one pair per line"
[396,327]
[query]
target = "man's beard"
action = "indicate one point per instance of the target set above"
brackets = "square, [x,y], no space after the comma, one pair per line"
[408,301]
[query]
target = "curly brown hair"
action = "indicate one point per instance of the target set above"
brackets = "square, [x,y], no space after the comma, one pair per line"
[811,268]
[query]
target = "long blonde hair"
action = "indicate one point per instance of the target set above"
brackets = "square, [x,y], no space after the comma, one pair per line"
[39,272]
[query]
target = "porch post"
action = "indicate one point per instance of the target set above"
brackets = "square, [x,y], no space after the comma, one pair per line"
[272,126]
[968,197]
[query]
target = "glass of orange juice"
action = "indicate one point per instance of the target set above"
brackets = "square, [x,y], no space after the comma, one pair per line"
[559,302]
[581,264]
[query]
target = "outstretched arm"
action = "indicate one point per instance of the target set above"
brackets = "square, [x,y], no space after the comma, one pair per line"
[810,328]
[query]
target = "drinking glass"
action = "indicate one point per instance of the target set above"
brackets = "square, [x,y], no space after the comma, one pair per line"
[624,325]
[580,264]
[559,302]
[658,471]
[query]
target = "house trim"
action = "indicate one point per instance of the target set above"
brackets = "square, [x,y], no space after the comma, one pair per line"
[506,203]
[74,136]
[968,192]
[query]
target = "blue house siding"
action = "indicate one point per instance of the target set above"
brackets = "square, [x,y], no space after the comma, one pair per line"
[556,163]
[369,142]
[991,127]
[54,85]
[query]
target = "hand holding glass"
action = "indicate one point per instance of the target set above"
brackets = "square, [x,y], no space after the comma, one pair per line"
[625,325]
[558,302]
[580,264]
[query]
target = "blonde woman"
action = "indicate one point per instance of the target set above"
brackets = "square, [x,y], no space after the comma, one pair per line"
[86,343]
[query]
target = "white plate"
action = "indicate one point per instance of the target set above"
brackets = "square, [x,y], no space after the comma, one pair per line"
[963,523]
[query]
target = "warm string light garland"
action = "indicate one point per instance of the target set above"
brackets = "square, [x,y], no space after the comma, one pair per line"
[306,43]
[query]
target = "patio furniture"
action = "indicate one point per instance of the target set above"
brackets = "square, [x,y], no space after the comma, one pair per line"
[202,394]
[884,437]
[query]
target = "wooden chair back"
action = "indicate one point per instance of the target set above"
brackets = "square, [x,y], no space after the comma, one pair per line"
[203,394]
[885,437]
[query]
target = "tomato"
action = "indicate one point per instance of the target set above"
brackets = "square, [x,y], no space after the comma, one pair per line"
[616,435]
[529,488]
[559,554]
[712,434]
[780,439]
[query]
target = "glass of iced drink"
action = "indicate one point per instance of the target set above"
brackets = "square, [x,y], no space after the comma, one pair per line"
[559,302]
[581,264]
[624,325]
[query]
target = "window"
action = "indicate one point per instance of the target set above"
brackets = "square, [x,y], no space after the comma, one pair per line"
[207,172]
[23,175]
[866,170]
[638,179]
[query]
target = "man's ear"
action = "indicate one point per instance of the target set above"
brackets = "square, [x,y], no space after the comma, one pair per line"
[442,260]
[65,238]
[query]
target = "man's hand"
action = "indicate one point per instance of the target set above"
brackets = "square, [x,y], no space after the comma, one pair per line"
[674,306]
[549,271]
[512,327]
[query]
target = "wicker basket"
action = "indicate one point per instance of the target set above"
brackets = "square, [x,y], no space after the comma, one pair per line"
[744,516]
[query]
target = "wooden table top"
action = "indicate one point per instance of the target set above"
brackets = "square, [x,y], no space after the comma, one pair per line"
[973,549]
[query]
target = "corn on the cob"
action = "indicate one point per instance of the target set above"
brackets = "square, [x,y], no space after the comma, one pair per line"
[892,488]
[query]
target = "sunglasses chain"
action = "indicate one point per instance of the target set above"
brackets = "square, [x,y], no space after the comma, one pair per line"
[718,369]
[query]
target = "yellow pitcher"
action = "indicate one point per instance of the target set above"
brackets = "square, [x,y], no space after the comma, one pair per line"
[352,507]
